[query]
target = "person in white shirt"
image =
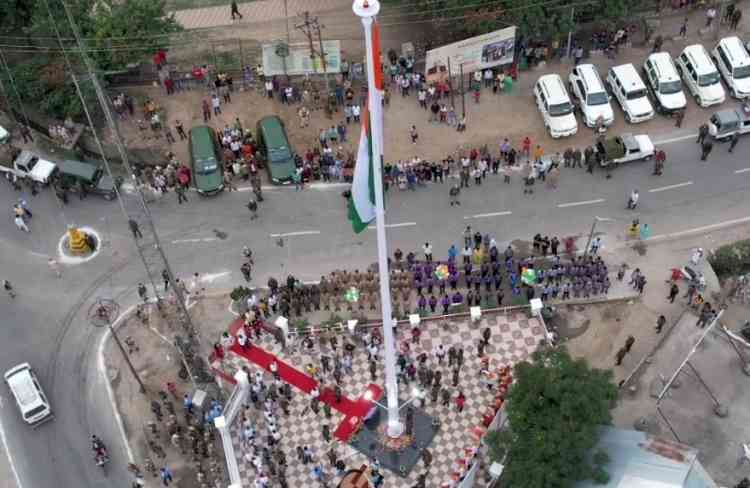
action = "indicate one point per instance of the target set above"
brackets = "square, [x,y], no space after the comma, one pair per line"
[427,248]
[269,89]
[440,353]
[488,76]
[355,112]
[478,76]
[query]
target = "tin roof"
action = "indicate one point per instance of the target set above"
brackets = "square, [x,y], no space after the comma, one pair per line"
[639,460]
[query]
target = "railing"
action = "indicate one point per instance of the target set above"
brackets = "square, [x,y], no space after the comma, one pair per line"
[224,426]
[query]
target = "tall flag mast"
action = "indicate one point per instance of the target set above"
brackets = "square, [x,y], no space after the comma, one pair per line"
[366,202]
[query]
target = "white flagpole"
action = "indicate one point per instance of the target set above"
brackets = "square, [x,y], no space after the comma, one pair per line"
[367,10]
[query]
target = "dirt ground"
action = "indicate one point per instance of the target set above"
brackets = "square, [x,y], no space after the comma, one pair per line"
[157,362]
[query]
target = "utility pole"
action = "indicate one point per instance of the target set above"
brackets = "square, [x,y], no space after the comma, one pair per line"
[310,27]
[286,20]
[463,91]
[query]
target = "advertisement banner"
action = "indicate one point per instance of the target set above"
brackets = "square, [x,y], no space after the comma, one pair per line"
[476,53]
[298,60]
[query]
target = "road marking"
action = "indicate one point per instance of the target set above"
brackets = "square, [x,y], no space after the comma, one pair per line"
[676,139]
[390,226]
[211,277]
[742,171]
[205,239]
[484,215]
[670,187]
[298,233]
[576,204]
[311,186]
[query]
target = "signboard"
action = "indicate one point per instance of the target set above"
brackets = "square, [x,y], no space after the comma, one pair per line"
[298,60]
[476,53]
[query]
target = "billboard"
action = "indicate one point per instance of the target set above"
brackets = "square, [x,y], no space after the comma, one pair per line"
[298,60]
[480,52]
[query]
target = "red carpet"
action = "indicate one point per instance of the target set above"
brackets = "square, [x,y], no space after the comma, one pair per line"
[354,410]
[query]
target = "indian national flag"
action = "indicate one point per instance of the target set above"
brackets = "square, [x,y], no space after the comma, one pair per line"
[362,200]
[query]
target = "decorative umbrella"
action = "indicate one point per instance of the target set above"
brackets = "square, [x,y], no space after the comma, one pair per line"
[351,294]
[528,276]
[441,272]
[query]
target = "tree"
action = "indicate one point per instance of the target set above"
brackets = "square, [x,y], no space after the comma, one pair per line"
[115,34]
[555,407]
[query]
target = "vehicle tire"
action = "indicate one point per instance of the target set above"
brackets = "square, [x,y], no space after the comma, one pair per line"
[698,100]
[649,158]
[109,197]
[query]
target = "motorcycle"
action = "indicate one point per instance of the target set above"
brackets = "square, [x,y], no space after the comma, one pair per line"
[693,277]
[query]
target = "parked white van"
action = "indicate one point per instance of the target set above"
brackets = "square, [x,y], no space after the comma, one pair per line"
[733,62]
[630,91]
[587,87]
[554,104]
[664,82]
[700,75]
[26,390]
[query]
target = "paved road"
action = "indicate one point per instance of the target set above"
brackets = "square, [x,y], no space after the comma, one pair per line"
[46,324]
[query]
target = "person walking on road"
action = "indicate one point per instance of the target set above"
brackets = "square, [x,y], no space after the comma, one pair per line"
[9,289]
[180,191]
[620,356]
[702,133]
[235,10]
[629,343]
[706,148]
[660,323]
[673,292]
[135,229]
[733,141]
[252,205]
[180,130]
[166,475]
[454,192]
[21,224]
[679,116]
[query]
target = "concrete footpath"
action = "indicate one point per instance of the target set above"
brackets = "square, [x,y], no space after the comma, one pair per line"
[7,479]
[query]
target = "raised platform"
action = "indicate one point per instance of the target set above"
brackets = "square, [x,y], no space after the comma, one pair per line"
[396,455]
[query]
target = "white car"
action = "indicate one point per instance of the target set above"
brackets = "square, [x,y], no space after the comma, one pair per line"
[555,106]
[631,92]
[28,394]
[700,76]
[625,148]
[663,80]
[588,89]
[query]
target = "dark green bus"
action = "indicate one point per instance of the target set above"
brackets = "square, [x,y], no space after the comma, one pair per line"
[275,149]
[208,170]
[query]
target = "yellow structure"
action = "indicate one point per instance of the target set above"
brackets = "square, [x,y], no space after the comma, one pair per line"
[77,243]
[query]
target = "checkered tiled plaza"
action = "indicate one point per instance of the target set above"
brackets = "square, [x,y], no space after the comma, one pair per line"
[514,337]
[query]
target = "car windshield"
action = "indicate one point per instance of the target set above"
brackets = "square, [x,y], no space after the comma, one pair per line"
[278,154]
[560,109]
[715,120]
[34,411]
[32,162]
[669,87]
[741,72]
[636,94]
[598,98]
[208,168]
[708,79]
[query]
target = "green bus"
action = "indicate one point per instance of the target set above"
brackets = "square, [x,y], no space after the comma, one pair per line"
[275,149]
[208,170]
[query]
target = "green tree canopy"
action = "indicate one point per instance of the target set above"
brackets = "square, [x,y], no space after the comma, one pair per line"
[548,19]
[555,407]
[115,34]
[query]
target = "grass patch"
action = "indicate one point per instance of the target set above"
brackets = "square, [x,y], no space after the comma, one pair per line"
[731,259]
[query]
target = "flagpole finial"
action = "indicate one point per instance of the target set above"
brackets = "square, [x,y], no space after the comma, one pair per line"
[366,8]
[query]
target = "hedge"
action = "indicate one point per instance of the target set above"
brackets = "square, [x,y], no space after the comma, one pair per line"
[731,259]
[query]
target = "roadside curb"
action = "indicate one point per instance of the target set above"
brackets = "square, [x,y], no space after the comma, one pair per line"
[685,233]
[110,391]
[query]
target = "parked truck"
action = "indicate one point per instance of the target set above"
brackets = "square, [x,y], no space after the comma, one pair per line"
[26,164]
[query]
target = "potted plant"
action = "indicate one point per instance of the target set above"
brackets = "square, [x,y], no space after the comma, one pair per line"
[238,296]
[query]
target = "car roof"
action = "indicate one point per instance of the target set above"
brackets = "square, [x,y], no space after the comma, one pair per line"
[21,384]
[202,145]
[78,168]
[701,61]
[629,141]
[665,69]
[728,115]
[590,77]
[553,81]
[734,48]
[628,76]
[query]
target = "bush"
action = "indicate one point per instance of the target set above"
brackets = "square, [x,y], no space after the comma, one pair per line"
[240,293]
[731,259]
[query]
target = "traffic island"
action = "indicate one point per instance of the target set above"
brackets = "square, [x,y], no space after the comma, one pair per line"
[79,245]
